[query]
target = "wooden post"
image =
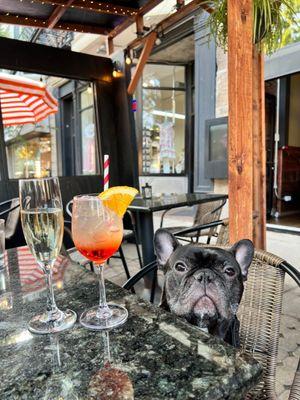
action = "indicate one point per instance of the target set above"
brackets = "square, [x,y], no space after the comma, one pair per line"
[240,124]
[259,152]
[139,25]
[110,46]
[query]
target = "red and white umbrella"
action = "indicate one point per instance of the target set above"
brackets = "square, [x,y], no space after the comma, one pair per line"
[24,101]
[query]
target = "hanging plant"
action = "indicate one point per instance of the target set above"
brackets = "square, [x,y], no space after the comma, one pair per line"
[269,22]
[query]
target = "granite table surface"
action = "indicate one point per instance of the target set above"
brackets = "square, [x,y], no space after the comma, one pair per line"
[153,356]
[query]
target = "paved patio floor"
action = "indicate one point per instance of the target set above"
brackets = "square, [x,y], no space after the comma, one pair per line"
[284,245]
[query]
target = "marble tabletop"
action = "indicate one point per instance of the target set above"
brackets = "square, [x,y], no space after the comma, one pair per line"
[153,356]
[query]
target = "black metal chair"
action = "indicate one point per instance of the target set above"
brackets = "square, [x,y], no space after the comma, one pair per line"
[13,230]
[129,234]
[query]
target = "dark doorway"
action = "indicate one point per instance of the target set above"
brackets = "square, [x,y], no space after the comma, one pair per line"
[270,131]
[283,172]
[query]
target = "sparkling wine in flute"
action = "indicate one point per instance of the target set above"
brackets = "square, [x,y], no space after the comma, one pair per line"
[43,225]
[43,231]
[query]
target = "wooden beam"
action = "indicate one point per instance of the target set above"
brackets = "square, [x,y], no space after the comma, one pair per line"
[142,61]
[57,14]
[139,25]
[110,45]
[173,19]
[94,6]
[149,6]
[142,11]
[240,122]
[179,4]
[53,61]
[120,28]
[259,152]
[39,23]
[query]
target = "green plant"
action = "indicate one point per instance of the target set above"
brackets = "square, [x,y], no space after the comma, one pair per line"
[269,22]
[291,32]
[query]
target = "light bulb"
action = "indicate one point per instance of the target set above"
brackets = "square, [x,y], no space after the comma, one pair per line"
[128,60]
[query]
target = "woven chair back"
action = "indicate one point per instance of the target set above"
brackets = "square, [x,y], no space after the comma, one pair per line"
[223,234]
[259,314]
[207,213]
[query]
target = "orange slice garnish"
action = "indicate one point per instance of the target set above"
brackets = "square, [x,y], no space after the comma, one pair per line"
[118,198]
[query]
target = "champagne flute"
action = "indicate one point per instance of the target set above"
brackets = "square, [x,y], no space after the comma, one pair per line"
[97,232]
[43,226]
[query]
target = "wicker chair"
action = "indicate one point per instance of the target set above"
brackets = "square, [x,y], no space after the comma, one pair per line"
[259,313]
[205,214]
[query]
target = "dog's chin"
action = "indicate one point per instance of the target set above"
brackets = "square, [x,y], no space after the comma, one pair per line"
[205,309]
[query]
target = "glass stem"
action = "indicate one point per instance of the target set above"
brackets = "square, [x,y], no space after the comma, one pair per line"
[51,304]
[103,310]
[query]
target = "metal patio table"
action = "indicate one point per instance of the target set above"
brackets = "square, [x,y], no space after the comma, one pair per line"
[146,207]
[153,356]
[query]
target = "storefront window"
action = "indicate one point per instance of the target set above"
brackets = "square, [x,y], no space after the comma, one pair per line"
[163,119]
[88,139]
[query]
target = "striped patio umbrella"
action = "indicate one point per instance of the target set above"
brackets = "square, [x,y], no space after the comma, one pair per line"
[24,101]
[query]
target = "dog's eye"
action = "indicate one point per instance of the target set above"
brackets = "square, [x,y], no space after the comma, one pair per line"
[229,271]
[180,267]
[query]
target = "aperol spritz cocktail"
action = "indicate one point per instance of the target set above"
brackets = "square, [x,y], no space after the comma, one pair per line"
[100,241]
[97,233]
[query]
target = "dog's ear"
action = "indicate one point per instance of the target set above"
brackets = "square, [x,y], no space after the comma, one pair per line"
[243,252]
[164,245]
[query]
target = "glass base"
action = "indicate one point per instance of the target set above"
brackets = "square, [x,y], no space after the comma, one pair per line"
[116,316]
[41,324]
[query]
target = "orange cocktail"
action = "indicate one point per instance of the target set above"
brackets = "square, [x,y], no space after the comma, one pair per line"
[97,231]
[97,235]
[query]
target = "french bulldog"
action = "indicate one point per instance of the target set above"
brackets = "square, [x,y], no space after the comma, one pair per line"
[204,285]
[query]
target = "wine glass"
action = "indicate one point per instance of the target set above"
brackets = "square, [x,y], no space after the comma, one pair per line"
[97,232]
[43,226]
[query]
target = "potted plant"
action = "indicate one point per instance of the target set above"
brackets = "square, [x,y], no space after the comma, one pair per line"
[269,17]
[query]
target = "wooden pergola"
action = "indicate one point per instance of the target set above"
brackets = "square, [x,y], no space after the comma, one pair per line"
[246,138]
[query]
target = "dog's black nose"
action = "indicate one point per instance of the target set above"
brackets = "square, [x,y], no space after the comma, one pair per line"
[205,276]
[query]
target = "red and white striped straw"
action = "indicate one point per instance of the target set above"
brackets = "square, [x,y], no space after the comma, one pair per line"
[106,171]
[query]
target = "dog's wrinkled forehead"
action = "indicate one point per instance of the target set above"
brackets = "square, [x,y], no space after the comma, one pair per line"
[167,248]
[198,257]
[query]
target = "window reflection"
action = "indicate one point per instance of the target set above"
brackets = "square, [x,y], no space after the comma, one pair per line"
[88,139]
[29,150]
[163,121]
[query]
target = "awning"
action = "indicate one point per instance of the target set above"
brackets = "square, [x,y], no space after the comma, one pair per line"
[24,101]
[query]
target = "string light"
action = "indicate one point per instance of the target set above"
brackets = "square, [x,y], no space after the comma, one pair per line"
[128,59]
[116,70]
[90,89]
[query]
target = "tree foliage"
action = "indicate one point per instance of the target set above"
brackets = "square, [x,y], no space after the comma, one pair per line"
[275,23]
